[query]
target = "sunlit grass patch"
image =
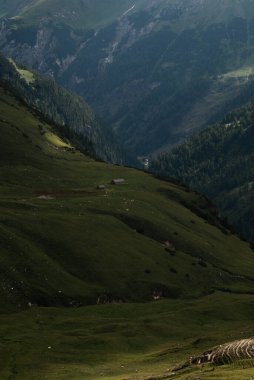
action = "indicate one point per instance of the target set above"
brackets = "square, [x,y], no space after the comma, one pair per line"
[25,74]
[56,141]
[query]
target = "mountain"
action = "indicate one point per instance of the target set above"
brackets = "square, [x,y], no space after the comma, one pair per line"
[113,282]
[155,70]
[72,115]
[109,272]
[219,163]
[144,230]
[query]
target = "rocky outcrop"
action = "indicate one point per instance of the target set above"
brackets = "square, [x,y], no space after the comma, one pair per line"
[227,353]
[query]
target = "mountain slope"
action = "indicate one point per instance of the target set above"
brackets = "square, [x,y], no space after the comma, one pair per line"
[155,71]
[66,243]
[12,8]
[72,115]
[82,14]
[126,243]
[219,163]
[79,261]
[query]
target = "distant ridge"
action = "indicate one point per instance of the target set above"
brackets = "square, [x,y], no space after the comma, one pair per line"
[155,72]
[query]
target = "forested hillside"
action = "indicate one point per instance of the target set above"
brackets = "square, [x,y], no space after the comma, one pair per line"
[219,163]
[72,116]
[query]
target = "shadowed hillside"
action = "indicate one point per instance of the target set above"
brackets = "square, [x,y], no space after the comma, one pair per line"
[219,163]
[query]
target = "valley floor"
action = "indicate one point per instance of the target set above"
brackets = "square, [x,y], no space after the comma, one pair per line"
[124,341]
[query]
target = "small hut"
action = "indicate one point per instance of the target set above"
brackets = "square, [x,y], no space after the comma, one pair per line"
[118,181]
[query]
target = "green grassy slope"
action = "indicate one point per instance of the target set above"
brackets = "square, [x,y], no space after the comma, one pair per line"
[124,341]
[82,14]
[80,231]
[65,243]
